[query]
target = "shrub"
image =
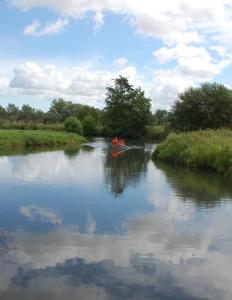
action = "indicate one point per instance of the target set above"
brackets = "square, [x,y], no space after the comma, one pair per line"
[210,149]
[72,124]
[89,126]
[206,107]
[157,133]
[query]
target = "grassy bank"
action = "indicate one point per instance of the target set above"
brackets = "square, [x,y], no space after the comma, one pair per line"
[211,149]
[32,126]
[21,140]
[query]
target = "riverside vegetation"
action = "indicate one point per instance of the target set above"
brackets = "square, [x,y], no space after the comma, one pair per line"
[210,149]
[196,131]
[127,113]
[22,140]
[198,118]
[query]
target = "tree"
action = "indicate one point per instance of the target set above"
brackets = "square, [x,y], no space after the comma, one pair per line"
[127,110]
[89,126]
[72,124]
[2,114]
[204,107]
[160,116]
[12,112]
[26,113]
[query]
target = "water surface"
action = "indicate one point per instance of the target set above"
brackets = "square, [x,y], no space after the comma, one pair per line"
[99,224]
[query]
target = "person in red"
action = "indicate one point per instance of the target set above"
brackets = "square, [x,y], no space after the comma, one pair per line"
[115,141]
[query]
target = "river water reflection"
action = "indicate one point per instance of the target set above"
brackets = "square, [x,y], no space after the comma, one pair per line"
[98,224]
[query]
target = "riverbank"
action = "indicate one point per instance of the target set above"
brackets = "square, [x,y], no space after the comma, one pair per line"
[211,149]
[22,140]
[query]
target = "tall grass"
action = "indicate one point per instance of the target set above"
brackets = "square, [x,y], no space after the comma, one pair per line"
[210,149]
[11,140]
[32,126]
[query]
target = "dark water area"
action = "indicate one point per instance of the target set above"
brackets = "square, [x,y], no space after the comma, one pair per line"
[102,224]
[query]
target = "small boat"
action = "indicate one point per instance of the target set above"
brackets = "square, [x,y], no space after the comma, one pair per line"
[118,143]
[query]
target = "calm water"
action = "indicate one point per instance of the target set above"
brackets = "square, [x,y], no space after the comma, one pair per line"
[97,224]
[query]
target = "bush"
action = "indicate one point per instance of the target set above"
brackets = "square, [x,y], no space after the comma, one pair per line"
[206,107]
[72,124]
[157,133]
[89,126]
[210,149]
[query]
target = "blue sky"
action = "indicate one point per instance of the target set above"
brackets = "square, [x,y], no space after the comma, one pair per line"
[73,49]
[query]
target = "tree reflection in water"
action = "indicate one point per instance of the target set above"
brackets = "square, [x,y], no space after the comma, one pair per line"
[204,188]
[125,168]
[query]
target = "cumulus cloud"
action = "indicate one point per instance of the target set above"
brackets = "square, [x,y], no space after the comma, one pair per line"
[172,21]
[84,83]
[121,61]
[193,64]
[37,29]
[195,36]
[4,84]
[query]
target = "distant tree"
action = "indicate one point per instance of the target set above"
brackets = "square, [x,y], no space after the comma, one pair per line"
[207,106]
[72,124]
[160,116]
[26,114]
[2,115]
[12,112]
[89,126]
[2,112]
[127,110]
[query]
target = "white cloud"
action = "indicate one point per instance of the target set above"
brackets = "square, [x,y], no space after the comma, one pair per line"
[170,20]
[4,84]
[84,83]
[121,61]
[193,65]
[192,61]
[36,28]
[193,33]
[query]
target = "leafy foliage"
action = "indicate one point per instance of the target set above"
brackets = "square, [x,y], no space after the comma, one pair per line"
[206,107]
[89,126]
[199,149]
[127,109]
[72,124]
[160,117]
[157,133]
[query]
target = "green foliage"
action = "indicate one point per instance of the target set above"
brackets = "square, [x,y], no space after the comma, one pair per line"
[32,126]
[89,126]
[12,112]
[201,149]
[157,133]
[127,110]
[205,107]
[72,124]
[160,117]
[25,139]
[60,110]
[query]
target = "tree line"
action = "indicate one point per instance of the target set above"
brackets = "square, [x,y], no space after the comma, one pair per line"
[127,112]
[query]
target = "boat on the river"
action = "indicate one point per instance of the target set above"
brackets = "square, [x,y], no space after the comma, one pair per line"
[118,143]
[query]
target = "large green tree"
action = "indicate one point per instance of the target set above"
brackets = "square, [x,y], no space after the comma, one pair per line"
[207,106]
[127,110]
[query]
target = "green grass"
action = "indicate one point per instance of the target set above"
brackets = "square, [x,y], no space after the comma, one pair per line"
[33,126]
[211,149]
[23,140]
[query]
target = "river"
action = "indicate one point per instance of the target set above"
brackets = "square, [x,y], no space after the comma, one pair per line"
[101,224]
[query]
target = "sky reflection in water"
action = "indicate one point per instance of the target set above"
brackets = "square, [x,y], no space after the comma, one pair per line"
[89,225]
